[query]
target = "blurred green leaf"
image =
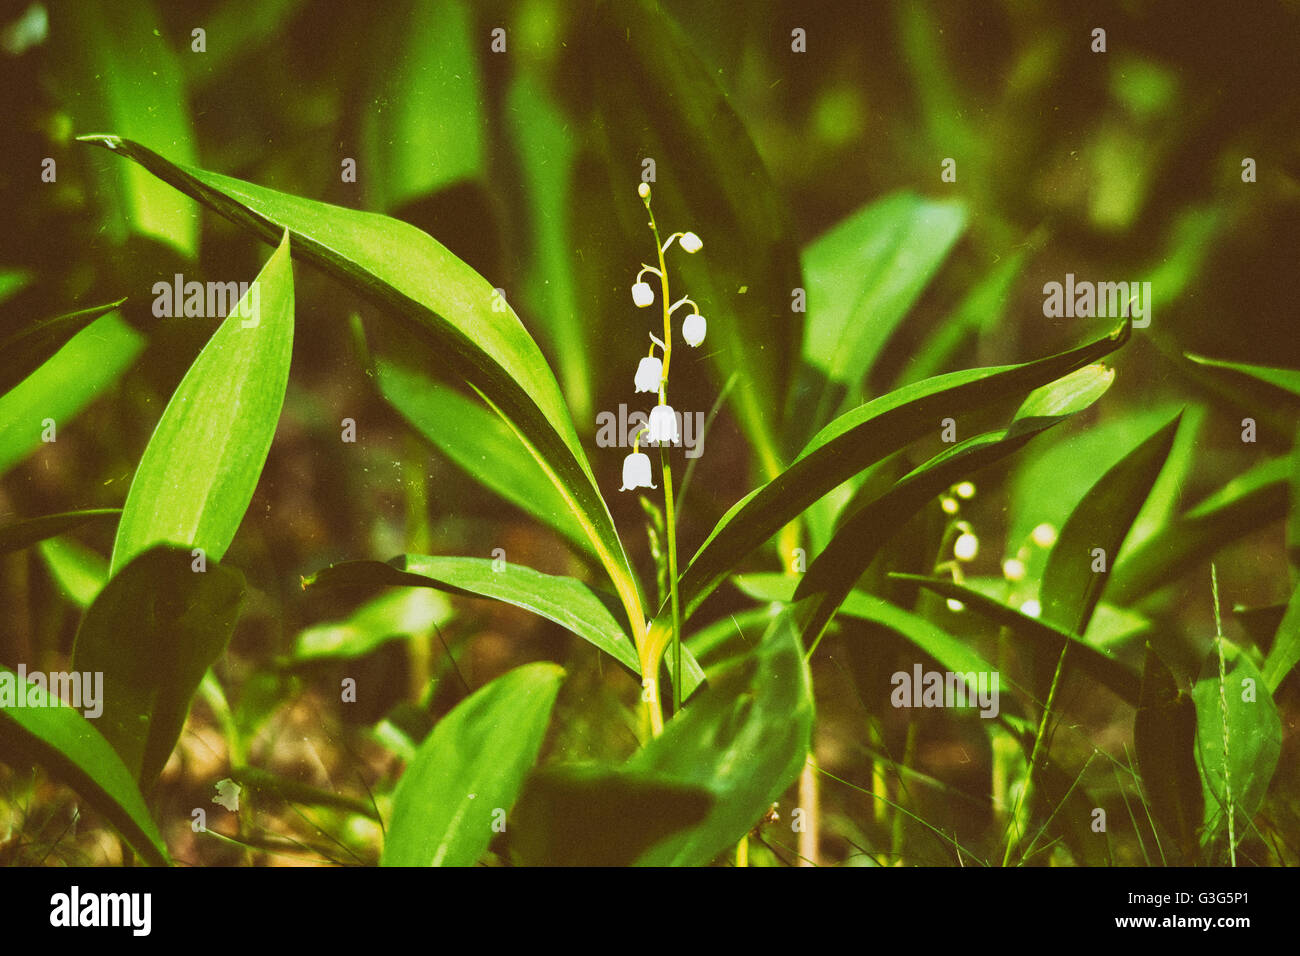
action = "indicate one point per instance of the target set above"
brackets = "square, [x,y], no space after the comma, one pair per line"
[199,472]
[745,740]
[116,70]
[423,126]
[469,771]
[153,631]
[864,276]
[58,390]
[482,445]
[1285,379]
[1237,750]
[414,278]
[25,533]
[600,816]
[1285,652]
[856,440]
[1164,736]
[66,743]
[400,613]
[1072,585]
[79,572]
[29,348]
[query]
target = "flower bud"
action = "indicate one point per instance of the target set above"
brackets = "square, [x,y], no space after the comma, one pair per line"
[966,547]
[693,329]
[690,242]
[649,374]
[636,471]
[642,294]
[643,190]
[663,425]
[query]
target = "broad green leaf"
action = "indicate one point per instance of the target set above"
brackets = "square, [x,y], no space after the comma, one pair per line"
[424,125]
[13,281]
[153,631]
[238,29]
[834,571]
[1040,638]
[564,600]
[981,311]
[718,643]
[1076,572]
[79,572]
[1285,379]
[600,816]
[866,273]
[744,740]
[415,279]
[470,770]
[61,739]
[856,440]
[67,382]
[116,69]
[955,655]
[1238,741]
[544,144]
[30,347]
[1285,652]
[1164,736]
[481,444]
[1247,503]
[201,467]
[24,534]
[399,613]
[653,97]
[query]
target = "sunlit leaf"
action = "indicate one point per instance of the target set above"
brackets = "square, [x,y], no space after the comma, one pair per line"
[30,347]
[400,613]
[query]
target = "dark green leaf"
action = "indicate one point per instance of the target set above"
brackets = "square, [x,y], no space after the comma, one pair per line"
[1284,379]
[469,771]
[28,349]
[153,632]
[1285,652]
[1164,735]
[24,534]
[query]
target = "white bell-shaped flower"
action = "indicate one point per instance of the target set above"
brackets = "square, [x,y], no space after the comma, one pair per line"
[649,374]
[636,472]
[642,294]
[690,242]
[663,425]
[693,329]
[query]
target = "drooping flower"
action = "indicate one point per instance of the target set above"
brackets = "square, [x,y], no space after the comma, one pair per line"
[649,374]
[663,425]
[636,472]
[690,242]
[642,294]
[693,329]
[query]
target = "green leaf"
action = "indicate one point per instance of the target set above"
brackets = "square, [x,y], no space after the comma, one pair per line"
[864,276]
[30,347]
[481,444]
[24,534]
[1236,751]
[153,632]
[79,572]
[424,125]
[744,740]
[600,816]
[201,467]
[115,69]
[1247,503]
[470,769]
[1285,652]
[856,440]
[58,390]
[1285,379]
[401,613]
[1164,736]
[418,281]
[834,571]
[1071,586]
[66,743]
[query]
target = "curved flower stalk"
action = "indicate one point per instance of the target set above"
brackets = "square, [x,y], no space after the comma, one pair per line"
[662,428]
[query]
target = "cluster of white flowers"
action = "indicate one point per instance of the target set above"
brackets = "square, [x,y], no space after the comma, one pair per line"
[652,372]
